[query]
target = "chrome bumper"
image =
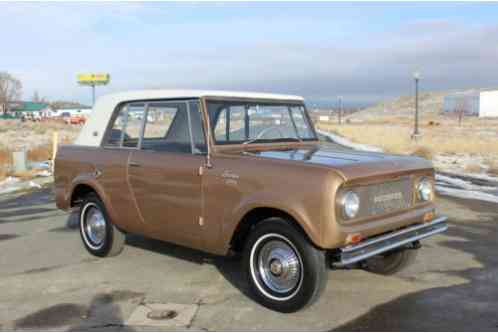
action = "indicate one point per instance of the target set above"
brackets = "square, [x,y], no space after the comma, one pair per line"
[354,253]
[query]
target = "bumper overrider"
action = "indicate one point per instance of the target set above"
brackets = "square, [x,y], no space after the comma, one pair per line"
[373,246]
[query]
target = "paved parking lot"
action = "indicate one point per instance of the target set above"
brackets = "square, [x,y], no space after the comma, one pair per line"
[48,281]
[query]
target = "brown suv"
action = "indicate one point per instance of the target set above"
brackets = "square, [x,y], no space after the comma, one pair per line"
[230,172]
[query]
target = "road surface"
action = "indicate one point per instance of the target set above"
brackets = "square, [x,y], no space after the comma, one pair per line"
[48,281]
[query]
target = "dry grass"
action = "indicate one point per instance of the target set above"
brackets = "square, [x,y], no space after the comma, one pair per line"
[36,138]
[473,168]
[40,153]
[472,138]
[5,156]
[493,167]
[5,162]
[423,152]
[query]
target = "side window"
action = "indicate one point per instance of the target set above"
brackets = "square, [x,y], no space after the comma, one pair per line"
[166,126]
[236,121]
[127,126]
[174,127]
[220,131]
[134,119]
[198,135]
[117,129]
[301,122]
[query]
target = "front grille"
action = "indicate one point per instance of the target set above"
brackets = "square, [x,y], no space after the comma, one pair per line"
[386,197]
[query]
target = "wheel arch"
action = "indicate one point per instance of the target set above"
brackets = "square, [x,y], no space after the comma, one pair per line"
[79,192]
[87,185]
[257,215]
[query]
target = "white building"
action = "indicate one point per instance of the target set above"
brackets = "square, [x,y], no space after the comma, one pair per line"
[481,103]
[73,112]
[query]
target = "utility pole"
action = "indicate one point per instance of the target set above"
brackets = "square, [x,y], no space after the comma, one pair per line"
[340,110]
[416,133]
[93,94]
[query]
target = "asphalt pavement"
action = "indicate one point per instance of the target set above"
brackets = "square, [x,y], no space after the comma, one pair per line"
[49,282]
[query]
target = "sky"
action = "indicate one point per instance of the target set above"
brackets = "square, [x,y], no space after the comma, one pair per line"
[364,52]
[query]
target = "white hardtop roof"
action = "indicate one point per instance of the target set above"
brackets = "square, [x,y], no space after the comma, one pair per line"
[93,131]
[179,93]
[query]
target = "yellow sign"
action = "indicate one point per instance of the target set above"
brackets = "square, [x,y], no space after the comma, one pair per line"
[94,79]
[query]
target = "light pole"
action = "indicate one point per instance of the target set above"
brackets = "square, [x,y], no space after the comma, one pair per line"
[416,133]
[340,110]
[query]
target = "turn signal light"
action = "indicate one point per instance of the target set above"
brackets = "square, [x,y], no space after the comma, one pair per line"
[353,238]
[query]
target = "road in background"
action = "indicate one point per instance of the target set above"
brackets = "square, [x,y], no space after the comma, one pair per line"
[48,281]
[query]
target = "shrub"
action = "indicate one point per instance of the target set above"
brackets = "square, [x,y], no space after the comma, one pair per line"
[40,153]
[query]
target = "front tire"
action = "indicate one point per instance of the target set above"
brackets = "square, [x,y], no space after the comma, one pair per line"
[100,237]
[390,263]
[285,271]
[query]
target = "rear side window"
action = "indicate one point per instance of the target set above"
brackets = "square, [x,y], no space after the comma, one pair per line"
[167,128]
[127,126]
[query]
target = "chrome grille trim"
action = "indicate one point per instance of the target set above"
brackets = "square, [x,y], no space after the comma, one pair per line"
[388,197]
[379,198]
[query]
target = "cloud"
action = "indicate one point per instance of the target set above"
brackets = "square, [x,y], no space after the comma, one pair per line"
[150,46]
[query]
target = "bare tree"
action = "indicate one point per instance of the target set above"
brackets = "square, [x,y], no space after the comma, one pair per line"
[10,90]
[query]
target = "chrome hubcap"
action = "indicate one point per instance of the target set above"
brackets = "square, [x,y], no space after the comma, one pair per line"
[279,266]
[95,226]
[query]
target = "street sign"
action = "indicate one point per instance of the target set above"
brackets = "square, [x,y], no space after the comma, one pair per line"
[92,80]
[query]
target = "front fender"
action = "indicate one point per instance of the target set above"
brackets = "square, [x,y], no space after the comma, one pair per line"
[296,210]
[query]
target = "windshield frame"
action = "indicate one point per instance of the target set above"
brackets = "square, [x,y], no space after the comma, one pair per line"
[274,102]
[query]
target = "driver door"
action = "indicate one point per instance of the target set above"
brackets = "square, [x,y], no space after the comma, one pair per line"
[163,173]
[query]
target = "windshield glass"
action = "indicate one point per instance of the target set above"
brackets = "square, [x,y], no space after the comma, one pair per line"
[248,122]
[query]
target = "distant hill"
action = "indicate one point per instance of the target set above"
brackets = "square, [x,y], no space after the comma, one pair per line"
[429,103]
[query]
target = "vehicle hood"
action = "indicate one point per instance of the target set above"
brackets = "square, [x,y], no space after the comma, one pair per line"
[351,164]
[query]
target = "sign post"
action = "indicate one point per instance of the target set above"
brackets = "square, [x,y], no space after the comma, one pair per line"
[92,80]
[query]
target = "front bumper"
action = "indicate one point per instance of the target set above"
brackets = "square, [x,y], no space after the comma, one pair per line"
[373,246]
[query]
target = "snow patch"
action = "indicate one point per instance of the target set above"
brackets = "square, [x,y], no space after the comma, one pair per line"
[10,184]
[466,194]
[463,184]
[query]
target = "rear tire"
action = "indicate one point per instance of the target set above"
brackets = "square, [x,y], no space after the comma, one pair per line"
[100,237]
[285,271]
[391,262]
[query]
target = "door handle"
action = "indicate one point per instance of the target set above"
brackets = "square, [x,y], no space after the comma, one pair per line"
[134,164]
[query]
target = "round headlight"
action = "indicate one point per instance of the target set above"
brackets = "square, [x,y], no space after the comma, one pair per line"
[425,190]
[350,204]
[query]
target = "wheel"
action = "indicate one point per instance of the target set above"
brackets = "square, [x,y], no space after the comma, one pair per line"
[100,237]
[390,262]
[285,271]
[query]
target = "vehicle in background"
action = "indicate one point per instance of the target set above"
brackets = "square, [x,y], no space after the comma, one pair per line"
[77,120]
[233,172]
[66,117]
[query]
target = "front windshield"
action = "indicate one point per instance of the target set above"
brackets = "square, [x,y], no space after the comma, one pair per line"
[251,122]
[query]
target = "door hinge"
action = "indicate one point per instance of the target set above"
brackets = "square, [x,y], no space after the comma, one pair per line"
[201,221]
[201,170]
